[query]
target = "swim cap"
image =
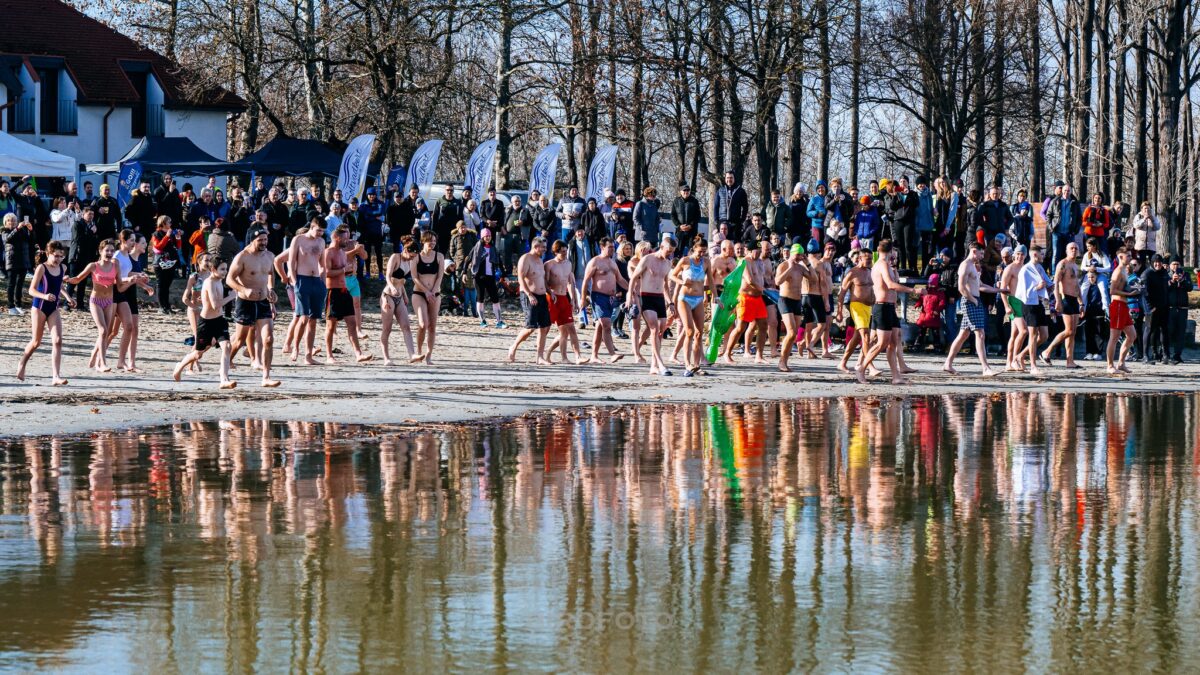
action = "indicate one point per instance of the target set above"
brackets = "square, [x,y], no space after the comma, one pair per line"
[813,246]
[797,248]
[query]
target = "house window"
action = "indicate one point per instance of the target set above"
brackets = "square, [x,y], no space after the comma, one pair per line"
[20,115]
[59,112]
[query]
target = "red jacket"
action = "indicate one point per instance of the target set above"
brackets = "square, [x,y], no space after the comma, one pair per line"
[933,303]
[1096,221]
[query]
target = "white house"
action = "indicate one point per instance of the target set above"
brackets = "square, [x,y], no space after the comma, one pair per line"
[71,84]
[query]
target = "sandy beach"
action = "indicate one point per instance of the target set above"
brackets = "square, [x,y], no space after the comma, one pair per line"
[469,382]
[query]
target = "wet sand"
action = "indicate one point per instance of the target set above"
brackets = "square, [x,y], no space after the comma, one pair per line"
[469,382]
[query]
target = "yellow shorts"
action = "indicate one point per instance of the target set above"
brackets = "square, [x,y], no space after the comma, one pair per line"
[861,315]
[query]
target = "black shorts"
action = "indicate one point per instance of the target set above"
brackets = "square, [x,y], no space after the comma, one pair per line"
[653,302]
[1069,306]
[210,332]
[250,312]
[791,305]
[1035,315]
[536,316]
[814,308]
[883,316]
[127,296]
[488,290]
[339,304]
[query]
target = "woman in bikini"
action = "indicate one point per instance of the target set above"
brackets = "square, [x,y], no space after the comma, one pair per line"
[104,279]
[426,295]
[692,277]
[46,291]
[393,303]
[640,251]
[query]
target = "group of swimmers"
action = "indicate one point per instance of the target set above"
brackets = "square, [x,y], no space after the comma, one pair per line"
[655,288]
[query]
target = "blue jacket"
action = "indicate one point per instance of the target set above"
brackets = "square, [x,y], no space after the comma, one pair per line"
[370,216]
[867,223]
[1022,226]
[816,210]
[925,211]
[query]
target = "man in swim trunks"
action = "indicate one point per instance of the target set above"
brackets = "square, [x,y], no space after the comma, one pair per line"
[531,277]
[250,276]
[885,323]
[825,269]
[339,302]
[560,279]
[858,282]
[974,313]
[751,308]
[790,276]
[1032,289]
[770,296]
[652,274]
[1120,321]
[1015,308]
[306,274]
[1066,293]
[813,301]
[603,277]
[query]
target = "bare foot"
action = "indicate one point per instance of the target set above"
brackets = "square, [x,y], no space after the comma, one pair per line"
[988,372]
[544,361]
[363,358]
[177,374]
[727,359]
[388,362]
[860,375]
[421,357]
[899,380]
[512,357]
[134,369]
[1113,371]
[616,357]
[842,366]
[641,359]
[784,369]
[1124,369]
[270,383]
[59,382]
[296,355]
[102,368]
[309,360]
[675,361]
[908,371]
[330,361]
[1034,370]
[874,372]
[950,369]
[231,384]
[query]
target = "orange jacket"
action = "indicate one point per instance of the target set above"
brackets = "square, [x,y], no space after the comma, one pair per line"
[1096,221]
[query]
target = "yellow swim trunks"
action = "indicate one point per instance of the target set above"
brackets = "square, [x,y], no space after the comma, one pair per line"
[861,315]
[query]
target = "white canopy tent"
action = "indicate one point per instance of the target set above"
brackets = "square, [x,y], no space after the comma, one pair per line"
[18,158]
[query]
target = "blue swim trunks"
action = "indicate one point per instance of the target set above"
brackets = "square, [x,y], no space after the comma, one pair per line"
[310,296]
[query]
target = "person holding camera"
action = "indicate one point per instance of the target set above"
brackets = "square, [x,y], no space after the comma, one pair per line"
[18,241]
[165,243]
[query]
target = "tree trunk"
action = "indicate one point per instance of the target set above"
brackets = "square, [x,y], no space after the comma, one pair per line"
[796,96]
[998,140]
[979,67]
[1083,108]
[503,129]
[1141,175]
[1037,140]
[823,101]
[856,95]
[1117,182]
[1103,150]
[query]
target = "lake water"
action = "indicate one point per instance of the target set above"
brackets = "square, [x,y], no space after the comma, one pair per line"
[1008,532]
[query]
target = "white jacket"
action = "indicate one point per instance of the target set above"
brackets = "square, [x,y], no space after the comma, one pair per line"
[1145,232]
[63,220]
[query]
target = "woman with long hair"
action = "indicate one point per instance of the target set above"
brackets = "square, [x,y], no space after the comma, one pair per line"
[393,303]
[427,293]
[103,274]
[46,291]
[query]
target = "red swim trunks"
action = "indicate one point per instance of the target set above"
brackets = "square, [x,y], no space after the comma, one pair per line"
[751,308]
[1118,315]
[560,310]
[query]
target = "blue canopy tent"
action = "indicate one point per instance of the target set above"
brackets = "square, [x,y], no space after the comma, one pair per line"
[169,155]
[284,156]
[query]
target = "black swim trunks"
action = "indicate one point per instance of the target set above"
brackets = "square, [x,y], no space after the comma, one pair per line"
[791,305]
[653,302]
[250,312]
[210,332]
[814,308]
[883,316]
[536,316]
[1069,306]
[1034,315]
[339,304]
[128,296]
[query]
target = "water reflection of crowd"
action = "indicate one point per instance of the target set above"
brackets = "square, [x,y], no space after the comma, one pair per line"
[706,491]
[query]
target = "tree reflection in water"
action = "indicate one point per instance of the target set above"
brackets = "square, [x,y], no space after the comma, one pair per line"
[1035,531]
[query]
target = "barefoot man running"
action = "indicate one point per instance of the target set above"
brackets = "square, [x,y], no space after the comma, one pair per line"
[560,278]
[340,304]
[603,277]
[250,277]
[306,274]
[858,282]
[974,314]
[1121,323]
[1066,293]
[751,310]
[531,276]
[885,323]
[652,273]
[790,277]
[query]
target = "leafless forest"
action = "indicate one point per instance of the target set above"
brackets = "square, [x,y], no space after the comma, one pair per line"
[1100,93]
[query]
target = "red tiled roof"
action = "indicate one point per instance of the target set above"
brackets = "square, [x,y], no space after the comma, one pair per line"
[93,53]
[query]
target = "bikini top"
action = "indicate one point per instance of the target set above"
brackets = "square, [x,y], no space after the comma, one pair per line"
[430,268]
[103,278]
[400,273]
[695,271]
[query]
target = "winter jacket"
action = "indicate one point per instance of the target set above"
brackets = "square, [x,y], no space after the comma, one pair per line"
[84,242]
[799,224]
[446,214]
[840,209]
[461,245]
[140,212]
[1022,221]
[198,210]
[685,211]
[867,223]
[816,211]
[371,216]
[223,245]
[593,225]
[1145,232]
[481,253]
[491,209]
[1064,216]
[925,211]
[779,218]
[518,222]
[1177,291]
[645,219]
[730,205]
[933,304]
[993,217]
[1096,221]
[17,242]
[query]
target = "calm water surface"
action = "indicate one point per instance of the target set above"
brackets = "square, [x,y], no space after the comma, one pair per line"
[1014,531]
